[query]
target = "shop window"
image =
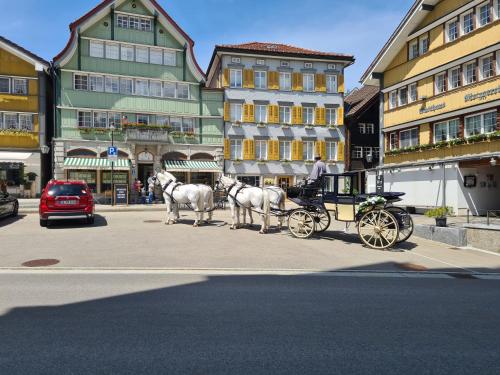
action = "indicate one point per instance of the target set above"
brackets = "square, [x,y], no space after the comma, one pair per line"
[90,178]
[119,177]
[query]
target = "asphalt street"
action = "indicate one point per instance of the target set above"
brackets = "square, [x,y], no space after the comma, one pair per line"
[196,324]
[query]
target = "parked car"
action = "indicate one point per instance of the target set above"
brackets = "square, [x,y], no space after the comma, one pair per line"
[66,200]
[8,205]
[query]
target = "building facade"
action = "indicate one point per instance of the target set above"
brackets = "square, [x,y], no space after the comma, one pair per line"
[282,106]
[129,75]
[23,120]
[439,73]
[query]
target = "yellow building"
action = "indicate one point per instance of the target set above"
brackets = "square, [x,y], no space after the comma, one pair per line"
[439,75]
[24,159]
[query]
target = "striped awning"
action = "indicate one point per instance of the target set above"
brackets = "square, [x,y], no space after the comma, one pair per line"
[192,166]
[95,163]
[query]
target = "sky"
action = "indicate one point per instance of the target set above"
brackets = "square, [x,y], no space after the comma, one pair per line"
[357,27]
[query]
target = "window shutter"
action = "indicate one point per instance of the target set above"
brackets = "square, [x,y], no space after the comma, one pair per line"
[297,150]
[297,115]
[245,113]
[251,113]
[227,149]
[273,152]
[321,149]
[297,82]
[340,116]
[227,111]
[273,114]
[273,80]
[341,83]
[340,151]
[225,78]
[320,83]
[320,116]
[248,79]
[251,149]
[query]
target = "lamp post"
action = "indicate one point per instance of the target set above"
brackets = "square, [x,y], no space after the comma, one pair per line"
[112,166]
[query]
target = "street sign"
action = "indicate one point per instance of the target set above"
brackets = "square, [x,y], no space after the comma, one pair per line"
[113,153]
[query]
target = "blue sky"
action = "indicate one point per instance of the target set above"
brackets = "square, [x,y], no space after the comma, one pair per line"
[358,27]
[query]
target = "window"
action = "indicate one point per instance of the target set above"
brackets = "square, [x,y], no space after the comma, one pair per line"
[362,128]
[489,122]
[156,56]
[100,120]
[331,116]
[170,58]
[127,52]
[81,82]
[26,122]
[162,120]
[367,151]
[260,62]
[470,75]
[112,51]
[155,88]
[235,79]
[261,150]
[486,67]
[332,66]
[96,83]
[370,128]
[331,151]
[113,84]
[408,138]
[413,94]
[236,60]
[393,141]
[114,120]
[11,121]
[357,152]
[236,149]
[126,86]
[285,81]
[440,83]
[467,23]
[393,99]
[331,83]
[284,64]
[403,96]
[480,124]
[446,131]
[96,49]
[84,119]
[472,125]
[452,31]
[182,91]
[133,22]
[424,44]
[285,150]
[169,89]
[484,14]
[454,78]
[260,80]
[145,24]
[285,115]
[308,113]
[142,54]
[260,113]
[308,151]
[413,50]
[308,65]
[176,123]
[122,21]
[188,125]
[497,9]
[141,87]
[235,112]
[19,86]
[4,85]
[143,119]
[308,81]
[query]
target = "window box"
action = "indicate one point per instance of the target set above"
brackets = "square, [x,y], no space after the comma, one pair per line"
[261,125]
[236,124]
[332,126]
[237,161]
[190,135]
[309,162]
[309,127]
[285,161]
[285,126]
[262,162]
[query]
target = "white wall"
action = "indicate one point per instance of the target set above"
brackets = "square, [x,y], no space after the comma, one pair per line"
[486,194]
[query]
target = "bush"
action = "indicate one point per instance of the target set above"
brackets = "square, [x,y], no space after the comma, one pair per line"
[439,212]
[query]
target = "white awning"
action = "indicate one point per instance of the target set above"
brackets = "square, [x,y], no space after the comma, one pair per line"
[14,157]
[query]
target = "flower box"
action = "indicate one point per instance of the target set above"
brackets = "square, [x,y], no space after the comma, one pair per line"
[261,125]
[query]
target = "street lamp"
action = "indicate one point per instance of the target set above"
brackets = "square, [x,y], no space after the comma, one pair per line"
[45,149]
[112,127]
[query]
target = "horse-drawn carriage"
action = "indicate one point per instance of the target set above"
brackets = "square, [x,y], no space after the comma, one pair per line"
[380,224]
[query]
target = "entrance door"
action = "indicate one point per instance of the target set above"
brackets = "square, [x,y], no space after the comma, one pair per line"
[285,182]
[143,172]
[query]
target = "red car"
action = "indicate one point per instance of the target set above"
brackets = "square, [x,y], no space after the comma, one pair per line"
[66,199]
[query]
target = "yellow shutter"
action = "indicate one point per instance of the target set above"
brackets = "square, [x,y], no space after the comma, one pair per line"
[245,112]
[297,115]
[320,149]
[227,149]
[340,116]
[273,151]
[248,149]
[297,82]
[248,79]
[320,118]
[273,80]
[340,151]
[227,111]
[341,83]
[225,78]
[273,114]
[297,150]
[320,83]
[251,113]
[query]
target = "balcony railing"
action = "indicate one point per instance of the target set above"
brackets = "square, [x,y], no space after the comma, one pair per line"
[147,135]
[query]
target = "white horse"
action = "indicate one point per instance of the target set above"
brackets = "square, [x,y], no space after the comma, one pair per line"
[199,197]
[249,197]
[277,198]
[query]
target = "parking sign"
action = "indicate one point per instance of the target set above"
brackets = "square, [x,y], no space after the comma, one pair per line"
[113,153]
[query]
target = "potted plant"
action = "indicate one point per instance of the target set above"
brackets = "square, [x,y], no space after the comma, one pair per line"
[440,214]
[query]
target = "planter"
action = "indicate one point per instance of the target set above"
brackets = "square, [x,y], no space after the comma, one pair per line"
[261,125]
[440,221]
[309,127]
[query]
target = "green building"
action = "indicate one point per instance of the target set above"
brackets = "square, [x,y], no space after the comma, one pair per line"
[129,75]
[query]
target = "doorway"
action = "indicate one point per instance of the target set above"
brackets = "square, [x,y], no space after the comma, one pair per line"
[143,172]
[285,182]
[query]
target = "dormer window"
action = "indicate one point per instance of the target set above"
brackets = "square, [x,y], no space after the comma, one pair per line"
[308,65]
[235,60]
[285,64]
[260,62]
[134,22]
[332,66]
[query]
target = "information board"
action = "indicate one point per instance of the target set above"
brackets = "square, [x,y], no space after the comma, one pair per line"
[120,194]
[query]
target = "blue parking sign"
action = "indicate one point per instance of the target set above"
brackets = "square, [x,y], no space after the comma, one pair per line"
[113,153]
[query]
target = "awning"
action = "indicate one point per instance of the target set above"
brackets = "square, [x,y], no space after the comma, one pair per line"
[192,166]
[96,163]
[14,157]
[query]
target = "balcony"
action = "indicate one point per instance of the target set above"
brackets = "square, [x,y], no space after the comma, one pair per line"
[147,135]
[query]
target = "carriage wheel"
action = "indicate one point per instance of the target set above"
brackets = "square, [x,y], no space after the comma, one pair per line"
[378,229]
[322,221]
[405,223]
[301,223]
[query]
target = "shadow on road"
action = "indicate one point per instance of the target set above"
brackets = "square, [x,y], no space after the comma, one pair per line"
[99,221]
[11,220]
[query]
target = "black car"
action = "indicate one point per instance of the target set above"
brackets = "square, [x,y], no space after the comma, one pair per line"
[8,205]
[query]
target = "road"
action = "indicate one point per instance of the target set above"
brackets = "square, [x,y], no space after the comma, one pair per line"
[189,323]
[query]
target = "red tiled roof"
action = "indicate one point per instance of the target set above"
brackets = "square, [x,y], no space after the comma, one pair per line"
[278,48]
[23,50]
[359,98]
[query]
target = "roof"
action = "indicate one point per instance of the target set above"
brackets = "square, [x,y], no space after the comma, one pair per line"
[24,51]
[360,98]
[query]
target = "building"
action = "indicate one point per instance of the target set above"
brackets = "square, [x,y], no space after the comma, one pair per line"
[129,75]
[282,106]
[362,126]
[439,74]
[24,135]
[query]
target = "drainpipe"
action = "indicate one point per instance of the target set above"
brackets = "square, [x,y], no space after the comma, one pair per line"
[444,184]
[155,28]
[79,50]
[112,22]
[184,58]
[201,113]
[42,125]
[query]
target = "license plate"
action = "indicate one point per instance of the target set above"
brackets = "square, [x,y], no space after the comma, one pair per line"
[68,202]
